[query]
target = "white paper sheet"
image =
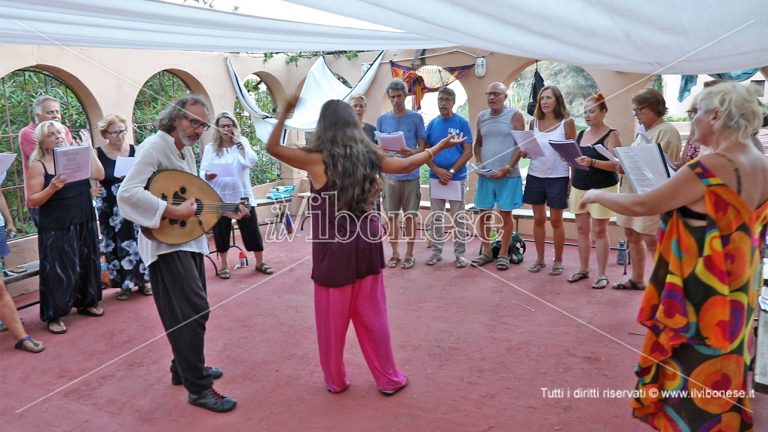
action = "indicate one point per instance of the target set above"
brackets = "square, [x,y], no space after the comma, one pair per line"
[644,166]
[605,152]
[640,130]
[485,172]
[394,141]
[222,169]
[73,162]
[6,159]
[528,143]
[123,164]
[450,191]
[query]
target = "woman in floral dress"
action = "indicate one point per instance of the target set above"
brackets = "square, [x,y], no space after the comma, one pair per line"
[118,236]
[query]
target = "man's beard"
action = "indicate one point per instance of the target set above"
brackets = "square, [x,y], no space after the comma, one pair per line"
[186,141]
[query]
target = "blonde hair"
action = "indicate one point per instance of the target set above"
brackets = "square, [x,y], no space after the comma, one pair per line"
[108,121]
[740,112]
[40,134]
[217,133]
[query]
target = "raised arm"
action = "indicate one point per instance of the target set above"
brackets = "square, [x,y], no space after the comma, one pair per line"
[39,194]
[312,163]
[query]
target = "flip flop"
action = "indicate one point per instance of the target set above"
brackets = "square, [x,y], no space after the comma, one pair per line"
[557,269]
[482,260]
[393,261]
[91,311]
[600,283]
[536,267]
[579,275]
[628,285]
[408,263]
[29,344]
[223,273]
[264,268]
[58,327]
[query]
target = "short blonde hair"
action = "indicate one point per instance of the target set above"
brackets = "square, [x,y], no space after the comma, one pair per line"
[40,134]
[108,121]
[739,109]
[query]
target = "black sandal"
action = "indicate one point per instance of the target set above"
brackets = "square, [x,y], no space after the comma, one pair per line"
[29,344]
[628,285]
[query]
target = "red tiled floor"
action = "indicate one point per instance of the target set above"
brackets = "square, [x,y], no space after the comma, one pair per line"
[478,347]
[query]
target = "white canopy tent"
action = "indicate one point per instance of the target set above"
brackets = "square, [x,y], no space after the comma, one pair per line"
[156,25]
[651,36]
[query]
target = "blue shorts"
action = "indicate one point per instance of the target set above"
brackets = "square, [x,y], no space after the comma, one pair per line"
[505,192]
[550,191]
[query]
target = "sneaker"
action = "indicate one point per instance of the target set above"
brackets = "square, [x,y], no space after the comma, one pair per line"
[433,259]
[212,400]
[212,372]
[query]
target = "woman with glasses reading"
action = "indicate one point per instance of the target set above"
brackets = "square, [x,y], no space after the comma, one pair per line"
[119,242]
[231,149]
[649,108]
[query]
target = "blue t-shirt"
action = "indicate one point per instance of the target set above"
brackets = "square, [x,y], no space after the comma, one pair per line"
[438,129]
[412,125]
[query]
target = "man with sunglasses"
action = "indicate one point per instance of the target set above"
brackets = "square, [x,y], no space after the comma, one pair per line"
[177,272]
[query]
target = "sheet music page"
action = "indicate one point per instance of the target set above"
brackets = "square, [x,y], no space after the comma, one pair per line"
[605,152]
[222,169]
[528,143]
[123,164]
[394,141]
[568,150]
[482,171]
[73,162]
[643,166]
[450,191]
[6,159]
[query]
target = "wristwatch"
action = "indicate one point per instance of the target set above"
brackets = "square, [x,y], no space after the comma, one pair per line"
[452,171]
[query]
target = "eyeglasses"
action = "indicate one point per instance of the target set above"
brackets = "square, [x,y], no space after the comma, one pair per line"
[637,110]
[52,112]
[227,126]
[195,123]
[692,113]
[116,134]
[494,94]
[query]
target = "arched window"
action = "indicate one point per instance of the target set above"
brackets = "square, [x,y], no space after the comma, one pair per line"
[156,93]
[267,168]
[18,91]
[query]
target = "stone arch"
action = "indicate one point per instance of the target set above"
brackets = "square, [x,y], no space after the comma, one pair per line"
[84,95]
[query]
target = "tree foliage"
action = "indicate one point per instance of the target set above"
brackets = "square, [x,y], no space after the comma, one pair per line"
[18,90]
[156,93]
[267,168]
[575,83]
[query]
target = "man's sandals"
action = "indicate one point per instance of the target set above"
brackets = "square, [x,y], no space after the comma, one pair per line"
[628,285]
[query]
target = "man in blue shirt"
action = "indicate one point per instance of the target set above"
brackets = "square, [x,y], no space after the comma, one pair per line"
[448,166]
[402,191]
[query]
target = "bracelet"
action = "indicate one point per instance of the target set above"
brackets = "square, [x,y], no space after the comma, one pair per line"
[592,162]
[431,155]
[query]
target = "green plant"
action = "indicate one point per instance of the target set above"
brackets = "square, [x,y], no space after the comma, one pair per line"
[18,90]
[156,93]
[267,168]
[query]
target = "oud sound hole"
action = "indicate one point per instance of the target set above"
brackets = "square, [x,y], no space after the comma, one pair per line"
[183,224]
[183,190]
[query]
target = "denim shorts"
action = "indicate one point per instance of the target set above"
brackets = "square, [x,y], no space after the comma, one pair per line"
[550,191]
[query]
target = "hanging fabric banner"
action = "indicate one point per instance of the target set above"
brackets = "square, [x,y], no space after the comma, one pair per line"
[426,79]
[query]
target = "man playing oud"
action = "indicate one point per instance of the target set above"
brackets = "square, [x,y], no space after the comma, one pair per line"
[176,271]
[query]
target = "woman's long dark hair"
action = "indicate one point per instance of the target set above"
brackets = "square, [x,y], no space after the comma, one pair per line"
[352,161]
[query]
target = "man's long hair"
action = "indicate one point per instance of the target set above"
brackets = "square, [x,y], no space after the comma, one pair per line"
[352,161]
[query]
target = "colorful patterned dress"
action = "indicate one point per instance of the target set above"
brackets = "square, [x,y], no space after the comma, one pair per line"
[699,308]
